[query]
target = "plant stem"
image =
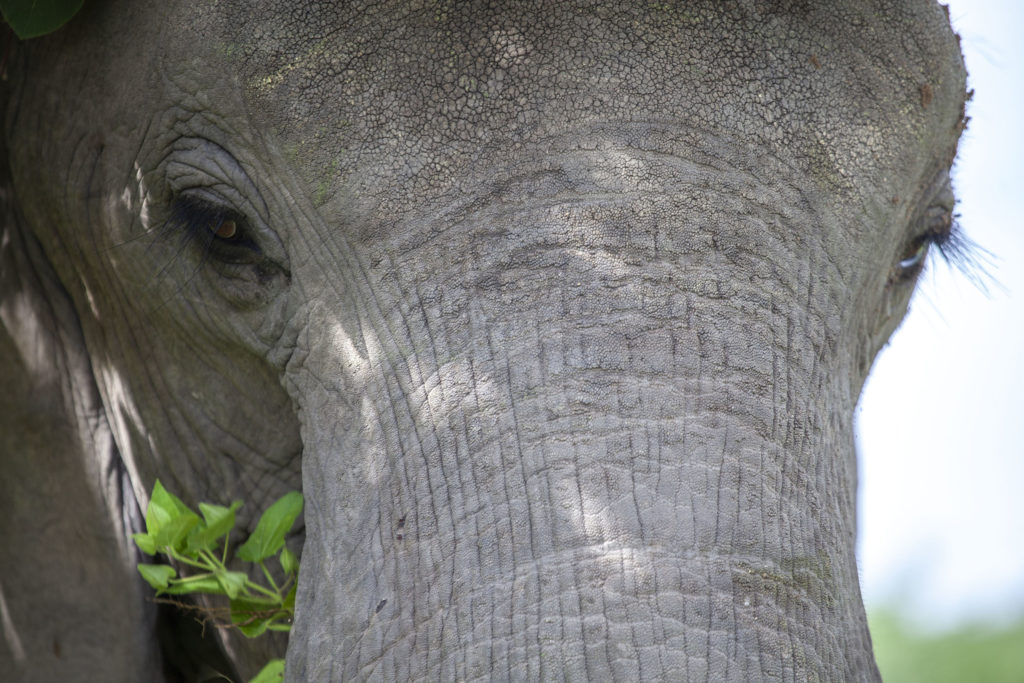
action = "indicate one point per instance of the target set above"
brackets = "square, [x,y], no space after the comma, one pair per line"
[214,562]
[270,579]
[206,566]
[266,591]
[192,579]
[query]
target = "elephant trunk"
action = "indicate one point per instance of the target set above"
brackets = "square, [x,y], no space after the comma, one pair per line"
[612,454]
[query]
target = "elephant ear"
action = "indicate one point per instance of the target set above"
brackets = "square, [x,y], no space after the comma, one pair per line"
[71,602]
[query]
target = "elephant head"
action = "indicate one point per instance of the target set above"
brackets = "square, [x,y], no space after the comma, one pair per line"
[558,315]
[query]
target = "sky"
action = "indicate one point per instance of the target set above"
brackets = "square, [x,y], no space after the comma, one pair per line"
[941,421]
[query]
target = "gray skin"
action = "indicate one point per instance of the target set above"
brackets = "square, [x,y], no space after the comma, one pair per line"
[557,316]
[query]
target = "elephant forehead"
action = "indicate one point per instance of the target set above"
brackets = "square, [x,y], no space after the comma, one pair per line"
[398,96]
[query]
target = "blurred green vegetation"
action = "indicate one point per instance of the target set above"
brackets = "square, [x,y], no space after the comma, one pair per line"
[978,653]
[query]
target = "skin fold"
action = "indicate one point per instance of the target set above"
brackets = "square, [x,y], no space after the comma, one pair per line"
[556,314]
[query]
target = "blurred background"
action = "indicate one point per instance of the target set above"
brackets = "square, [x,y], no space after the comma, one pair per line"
[941,421]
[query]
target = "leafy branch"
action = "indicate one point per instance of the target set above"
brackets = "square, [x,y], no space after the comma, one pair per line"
[202,544]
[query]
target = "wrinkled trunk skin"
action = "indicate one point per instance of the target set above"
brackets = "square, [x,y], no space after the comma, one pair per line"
[562,310]
[591,460]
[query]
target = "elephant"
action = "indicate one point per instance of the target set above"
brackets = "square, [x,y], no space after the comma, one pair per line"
[556,313]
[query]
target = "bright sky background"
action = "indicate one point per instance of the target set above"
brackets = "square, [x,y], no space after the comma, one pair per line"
[941,421]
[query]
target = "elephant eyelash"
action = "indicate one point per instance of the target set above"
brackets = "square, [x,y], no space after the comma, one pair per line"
[946,234]
[970,258]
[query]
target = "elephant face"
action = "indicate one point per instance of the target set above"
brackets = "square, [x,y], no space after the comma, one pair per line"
[559,314]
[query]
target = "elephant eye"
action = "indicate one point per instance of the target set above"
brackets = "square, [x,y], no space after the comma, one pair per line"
[219,231]
[225,229]
[939,229]
[915,257]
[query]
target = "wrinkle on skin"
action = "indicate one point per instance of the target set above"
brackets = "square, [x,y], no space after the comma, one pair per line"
[11,636]
[127,425]
[26,330]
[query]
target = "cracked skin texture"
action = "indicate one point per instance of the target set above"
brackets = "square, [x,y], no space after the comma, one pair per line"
[559,314]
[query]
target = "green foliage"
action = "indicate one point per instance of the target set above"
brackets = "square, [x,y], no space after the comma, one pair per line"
[271,673]
[179,533]
[33,18]
[268,537]
[970,653]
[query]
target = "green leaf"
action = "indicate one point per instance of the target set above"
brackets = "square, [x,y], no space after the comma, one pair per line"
[271,673]
[219,521]
[161,509]
[202,583]
[289,563]
[255,628]
[253,616]
[32,18]
[174,520]
[145,542]
[233,582]
[175,534]
[268,537]
[157,575]
[168,520]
